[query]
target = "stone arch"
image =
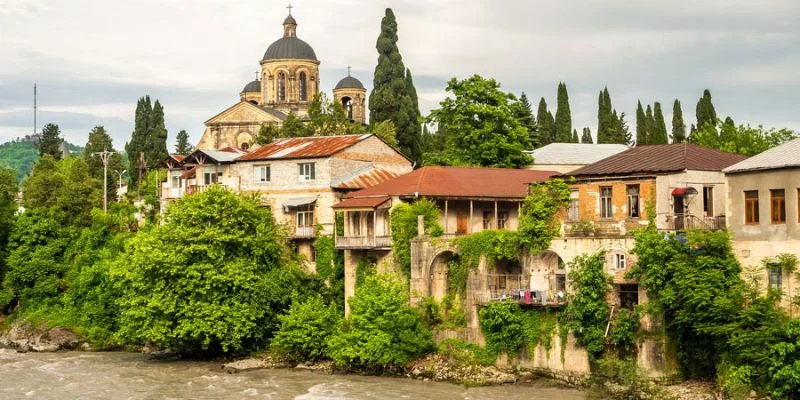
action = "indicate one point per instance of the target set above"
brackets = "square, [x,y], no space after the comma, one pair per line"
[437,276]
[302,85]
[548,273]
[244,137]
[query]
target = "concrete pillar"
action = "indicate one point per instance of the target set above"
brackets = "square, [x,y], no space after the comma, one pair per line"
[350,271]
[420,225]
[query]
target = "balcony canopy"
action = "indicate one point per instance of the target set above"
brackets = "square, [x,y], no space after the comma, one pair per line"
[362,203]
[297,202]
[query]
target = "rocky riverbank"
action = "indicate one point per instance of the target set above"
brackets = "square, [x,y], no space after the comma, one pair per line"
[25,337]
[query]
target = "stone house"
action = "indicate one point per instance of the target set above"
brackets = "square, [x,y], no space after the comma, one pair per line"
[763,213]
[567,157]
[298,178]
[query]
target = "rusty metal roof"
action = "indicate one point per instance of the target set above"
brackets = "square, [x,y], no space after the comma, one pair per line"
[364,178]
[458,182]
[303,147]
[661,158]
[190,173]
[362,202]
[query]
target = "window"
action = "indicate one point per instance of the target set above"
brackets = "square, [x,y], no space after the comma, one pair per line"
[777,206]
[708,201]
[303,89]
[210,178]
[306,171]
[628,295]
[176,178]
[775,276]
[633,201]
[751,207]
[356,224]
[574,213]
[561,283]
[502,218]
[305,217]
[281,87]
[261,173]
[488,219]
[606,209]
[619,261]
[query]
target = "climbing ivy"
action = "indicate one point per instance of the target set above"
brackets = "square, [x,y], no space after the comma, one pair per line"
[539,222]
[587,311]
[494,244]
[325,249]
[404,228]
[508,328]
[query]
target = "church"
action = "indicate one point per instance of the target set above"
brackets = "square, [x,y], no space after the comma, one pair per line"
[287,83]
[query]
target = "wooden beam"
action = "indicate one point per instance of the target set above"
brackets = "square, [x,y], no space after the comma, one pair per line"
[495,214]
[469,228]
[446,224]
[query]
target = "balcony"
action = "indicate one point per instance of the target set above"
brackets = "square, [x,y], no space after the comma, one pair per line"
[588,228]
[363,242]
[512,287]
[688,221]
[303,232]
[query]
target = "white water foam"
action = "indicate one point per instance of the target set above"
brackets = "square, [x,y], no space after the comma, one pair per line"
[323,391]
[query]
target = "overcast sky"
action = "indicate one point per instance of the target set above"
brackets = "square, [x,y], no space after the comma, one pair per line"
[93,59]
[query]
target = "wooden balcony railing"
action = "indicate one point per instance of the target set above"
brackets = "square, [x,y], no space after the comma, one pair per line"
[363,242]
[303,232]
[682,222]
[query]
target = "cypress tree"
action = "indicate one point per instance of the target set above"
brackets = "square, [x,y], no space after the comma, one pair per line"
[50,141]
[524,113]
[659,132]
[393,96]
[641,125]
[605,119]
[563,121]
[156,147]
[621,133]
[544,124]
[705,112]
[678,127]
[141,128]
[575,136]
[649,123]
[587,135]
[182,145]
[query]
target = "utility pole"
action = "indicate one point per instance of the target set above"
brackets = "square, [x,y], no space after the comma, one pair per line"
[105,155]
[34,108]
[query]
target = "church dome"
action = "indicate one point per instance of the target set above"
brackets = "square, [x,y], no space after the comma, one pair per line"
[254,86]
[289,47]
[348,82]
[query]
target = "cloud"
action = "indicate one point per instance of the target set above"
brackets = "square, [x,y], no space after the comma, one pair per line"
[93,59]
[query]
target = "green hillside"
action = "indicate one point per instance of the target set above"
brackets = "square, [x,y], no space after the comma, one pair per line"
[21,154]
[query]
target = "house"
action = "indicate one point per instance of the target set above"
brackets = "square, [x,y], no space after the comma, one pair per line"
[298,178]
[567,157]
[763,211]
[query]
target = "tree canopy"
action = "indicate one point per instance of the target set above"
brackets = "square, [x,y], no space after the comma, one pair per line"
[182,145]
[563,121]
[50,141]
[100,141]
[149,138]
[742,139]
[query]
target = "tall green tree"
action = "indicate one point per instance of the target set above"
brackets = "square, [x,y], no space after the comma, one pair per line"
[563,127]
[99,141]
[641,125]
[156,147]
[742,139]
[482,129]
[678,126]
[587,135]
[545,124]
[705,112]
[620,132]
[524,114]
[149,138]
[575,138]
[605,118]
[649,123]
[393,97]
[50,141]
[8,210]
[659,130]
[65,188]
[182,145]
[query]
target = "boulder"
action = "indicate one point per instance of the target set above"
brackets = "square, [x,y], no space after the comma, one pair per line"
[62,338]
[45,348]
[244,365]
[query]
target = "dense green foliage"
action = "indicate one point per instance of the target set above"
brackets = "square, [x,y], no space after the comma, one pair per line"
[65,187]
[305,329]
[524,114]
[481,125]
[149,138]
[100,141]
[508,328]
[746,140]
[641,125]
[659,133]
[8,209]
[611,127]
[586,137]
[563,121]
[21,154]
[538,222]
[545,124]
[678,126]
[382,331]
[50,141]
[393,97]
[587,311]
[495,245]
[404,229]
[705,112]
[182,145]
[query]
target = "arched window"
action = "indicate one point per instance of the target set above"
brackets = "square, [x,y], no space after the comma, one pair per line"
[281,87]
[347,103]
[303,90]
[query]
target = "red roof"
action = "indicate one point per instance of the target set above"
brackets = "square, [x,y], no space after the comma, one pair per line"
[362,202]
[303,147]
[178,157]
[458,182]
[369,178]
[661,158]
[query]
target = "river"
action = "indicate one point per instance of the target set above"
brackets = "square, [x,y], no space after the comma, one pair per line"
[77,375]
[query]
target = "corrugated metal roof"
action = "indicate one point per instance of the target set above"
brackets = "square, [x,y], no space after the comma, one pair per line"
[303,147]
[226,155]
[458,182]
[362,202]
[364,178]
[575,153]
[660,158]
[786,155]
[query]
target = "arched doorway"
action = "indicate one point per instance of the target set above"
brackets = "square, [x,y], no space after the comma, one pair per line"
[438,274]
[347,103]
[548,276]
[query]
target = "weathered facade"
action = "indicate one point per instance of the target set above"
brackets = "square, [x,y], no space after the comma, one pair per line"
[567,157]
[763,213]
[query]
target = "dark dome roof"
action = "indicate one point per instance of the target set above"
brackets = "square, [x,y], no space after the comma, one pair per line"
[290,20]
[350,83]
[254,86]
[289,47]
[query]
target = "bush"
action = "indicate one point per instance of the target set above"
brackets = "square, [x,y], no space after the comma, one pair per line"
[382,330]
[404,228]
[465,353]
[501,323]
[305,329]
[586,314]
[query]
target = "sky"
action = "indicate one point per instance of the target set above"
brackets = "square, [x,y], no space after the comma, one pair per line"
[93,59]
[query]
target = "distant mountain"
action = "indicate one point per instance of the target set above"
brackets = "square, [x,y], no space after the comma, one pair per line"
[21,154]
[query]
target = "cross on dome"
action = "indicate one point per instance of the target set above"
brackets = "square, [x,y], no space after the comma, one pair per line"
[290,7]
